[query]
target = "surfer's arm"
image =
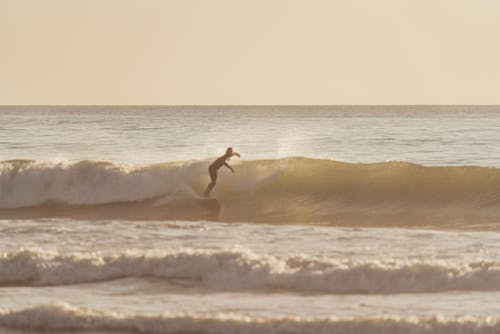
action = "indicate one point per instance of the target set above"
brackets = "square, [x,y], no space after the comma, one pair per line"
[236,154]
[225,164]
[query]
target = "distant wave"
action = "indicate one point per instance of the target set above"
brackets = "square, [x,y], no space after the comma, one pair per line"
[240,269]
[291,190]
[65,317]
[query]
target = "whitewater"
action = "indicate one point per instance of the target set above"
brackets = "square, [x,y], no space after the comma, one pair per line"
[360,219]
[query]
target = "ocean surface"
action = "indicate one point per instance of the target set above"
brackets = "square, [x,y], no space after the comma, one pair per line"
[343,219]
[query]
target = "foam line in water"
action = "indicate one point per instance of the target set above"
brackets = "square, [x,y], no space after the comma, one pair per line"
[241,269]
[65,317]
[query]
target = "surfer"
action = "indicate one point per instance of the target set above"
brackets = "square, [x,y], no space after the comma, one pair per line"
[214,167]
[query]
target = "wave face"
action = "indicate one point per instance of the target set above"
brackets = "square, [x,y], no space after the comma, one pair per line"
[239,269]
[65,317]
[291,190]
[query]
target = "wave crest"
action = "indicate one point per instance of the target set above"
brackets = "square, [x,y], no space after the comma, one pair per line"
[286,190]
[241,269]
[63,316]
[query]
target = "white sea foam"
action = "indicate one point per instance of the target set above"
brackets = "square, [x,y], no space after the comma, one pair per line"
[242,269]
[31,183]
[62,316]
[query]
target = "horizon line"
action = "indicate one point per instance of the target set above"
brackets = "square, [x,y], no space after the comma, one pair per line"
[249,105]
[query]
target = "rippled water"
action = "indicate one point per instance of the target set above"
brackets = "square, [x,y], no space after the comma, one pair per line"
[431,135]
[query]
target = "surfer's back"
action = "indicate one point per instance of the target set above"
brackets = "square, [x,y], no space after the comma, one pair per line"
[219,162]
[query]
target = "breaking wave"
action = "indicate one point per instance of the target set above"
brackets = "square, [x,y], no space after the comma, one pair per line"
[241,269]
[291,190]
[65,317]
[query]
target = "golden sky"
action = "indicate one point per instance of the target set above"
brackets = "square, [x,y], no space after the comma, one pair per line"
[250,52]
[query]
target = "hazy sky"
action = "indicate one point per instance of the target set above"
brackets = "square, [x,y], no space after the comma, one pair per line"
[250,52]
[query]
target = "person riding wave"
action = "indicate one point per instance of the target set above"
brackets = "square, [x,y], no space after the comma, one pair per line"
[214,167]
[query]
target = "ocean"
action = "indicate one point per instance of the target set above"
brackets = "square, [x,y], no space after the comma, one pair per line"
[338,219]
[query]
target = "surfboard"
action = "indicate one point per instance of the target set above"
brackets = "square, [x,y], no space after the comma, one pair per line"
[211,206]
[189,197]
[209,201]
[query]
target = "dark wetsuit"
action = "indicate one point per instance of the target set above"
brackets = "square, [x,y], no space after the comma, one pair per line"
[212,170]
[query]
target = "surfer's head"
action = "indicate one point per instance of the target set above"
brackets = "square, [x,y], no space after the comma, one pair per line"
[229,151]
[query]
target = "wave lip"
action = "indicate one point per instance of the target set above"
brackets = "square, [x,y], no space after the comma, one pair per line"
[62,316]
[242,269]
[290,190]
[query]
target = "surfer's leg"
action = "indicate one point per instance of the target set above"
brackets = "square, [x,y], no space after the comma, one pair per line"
[209,189]
[213,180]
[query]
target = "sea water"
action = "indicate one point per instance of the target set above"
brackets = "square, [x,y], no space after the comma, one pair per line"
[364,219]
